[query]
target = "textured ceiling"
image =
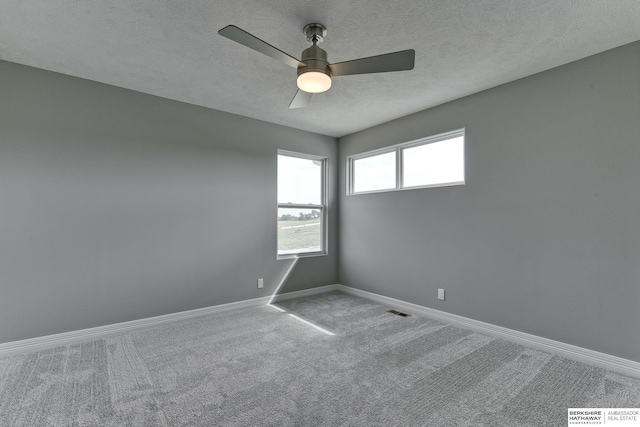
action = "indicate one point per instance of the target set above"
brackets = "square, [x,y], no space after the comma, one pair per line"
[172,49]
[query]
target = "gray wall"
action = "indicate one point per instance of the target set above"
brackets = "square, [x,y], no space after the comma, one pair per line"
[115,205]
[545,236]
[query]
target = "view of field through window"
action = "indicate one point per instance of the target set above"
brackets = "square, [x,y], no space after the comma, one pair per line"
[299,230]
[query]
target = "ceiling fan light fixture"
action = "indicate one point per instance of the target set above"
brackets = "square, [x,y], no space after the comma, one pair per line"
[314,81]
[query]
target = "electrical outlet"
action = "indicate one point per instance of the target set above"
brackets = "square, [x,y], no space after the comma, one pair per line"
[260,283]
[441,294]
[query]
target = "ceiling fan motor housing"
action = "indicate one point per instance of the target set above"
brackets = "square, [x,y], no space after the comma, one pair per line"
[315,59]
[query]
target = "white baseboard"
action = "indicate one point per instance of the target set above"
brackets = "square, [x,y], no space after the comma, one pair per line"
[594,358]
[49,341]
[601,360]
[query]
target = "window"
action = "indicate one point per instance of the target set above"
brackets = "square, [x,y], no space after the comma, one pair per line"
[377,172]
[429,162]
[301,205]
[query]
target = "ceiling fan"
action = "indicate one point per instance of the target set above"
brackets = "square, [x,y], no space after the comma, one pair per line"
[314,70]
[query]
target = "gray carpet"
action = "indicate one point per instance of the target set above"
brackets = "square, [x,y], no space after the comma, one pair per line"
[261,367]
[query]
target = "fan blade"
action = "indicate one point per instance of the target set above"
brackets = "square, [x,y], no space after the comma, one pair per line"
[241,36]
[396,61]
[300,99]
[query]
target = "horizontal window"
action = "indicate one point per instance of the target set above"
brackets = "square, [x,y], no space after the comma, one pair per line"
[429,162]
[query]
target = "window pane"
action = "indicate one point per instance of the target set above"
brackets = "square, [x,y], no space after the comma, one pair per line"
[375,172]
[440,162]
[299,230]
[299,180]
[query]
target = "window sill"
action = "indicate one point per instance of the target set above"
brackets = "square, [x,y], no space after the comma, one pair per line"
[300,255]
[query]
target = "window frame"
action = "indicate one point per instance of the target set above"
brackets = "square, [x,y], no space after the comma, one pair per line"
[399,150]
[321,207]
